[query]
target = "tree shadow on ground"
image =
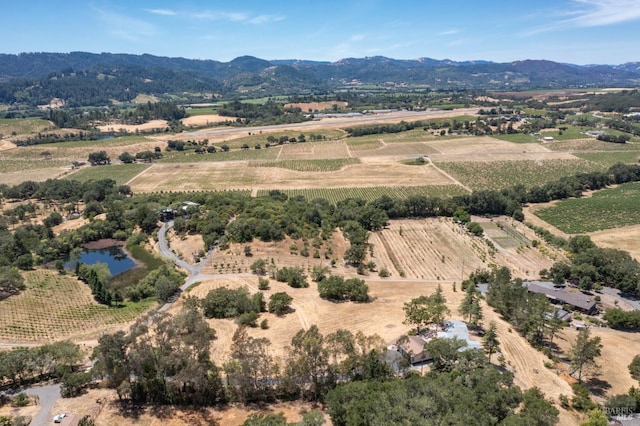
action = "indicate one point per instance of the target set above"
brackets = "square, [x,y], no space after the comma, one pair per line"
[597,386]
[197,416]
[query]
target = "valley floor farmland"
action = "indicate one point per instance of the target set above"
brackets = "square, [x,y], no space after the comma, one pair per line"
[372,171]
[605,209]
[439,249]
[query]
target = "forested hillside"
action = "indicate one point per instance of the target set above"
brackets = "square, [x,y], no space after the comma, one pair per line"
[93,79]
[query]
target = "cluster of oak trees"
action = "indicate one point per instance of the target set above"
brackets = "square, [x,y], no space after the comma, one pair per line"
[169,362]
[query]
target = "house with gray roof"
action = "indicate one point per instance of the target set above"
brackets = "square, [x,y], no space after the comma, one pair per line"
[564,296]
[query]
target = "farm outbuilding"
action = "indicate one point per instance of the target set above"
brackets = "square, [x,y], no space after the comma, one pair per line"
[564,296]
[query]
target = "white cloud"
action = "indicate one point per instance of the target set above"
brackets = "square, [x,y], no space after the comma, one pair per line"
[358,37]
[265,19]
[165,12]
[241,17]
[590,13]
[594,13]
[125,27]
[448,32]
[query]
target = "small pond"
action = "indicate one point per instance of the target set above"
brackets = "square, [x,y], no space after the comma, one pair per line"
[117,261]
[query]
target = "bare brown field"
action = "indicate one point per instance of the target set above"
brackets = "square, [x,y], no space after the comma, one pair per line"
[383,316]
[375,171]
[196,176]
[103,406]
[626,238]
[185,246]
[204,120]
[618,350]
[69,225]
[153,124]
[5,145]
[314,150]
[527,364]
[38,175]
[398,149]
[482,145]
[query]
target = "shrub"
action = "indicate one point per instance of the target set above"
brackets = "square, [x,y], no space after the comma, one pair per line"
[279,303]
[263,284]
[248,319]
[634,367]
[384,273]
[20,400]
[295,277]
[259,267]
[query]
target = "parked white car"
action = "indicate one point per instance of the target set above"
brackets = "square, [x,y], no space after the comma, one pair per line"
[58,418]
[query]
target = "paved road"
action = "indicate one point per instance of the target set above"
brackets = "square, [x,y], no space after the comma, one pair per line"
[48,396]
[193,271]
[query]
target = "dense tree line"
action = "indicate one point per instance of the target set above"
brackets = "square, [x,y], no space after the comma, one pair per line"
[531,314]
[266,114]
[614,102]
[402,126]
[21,366]
[169,362]
[47,138]
[591,265]
[606,137]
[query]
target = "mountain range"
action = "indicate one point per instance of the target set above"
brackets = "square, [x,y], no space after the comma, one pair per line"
[251,75]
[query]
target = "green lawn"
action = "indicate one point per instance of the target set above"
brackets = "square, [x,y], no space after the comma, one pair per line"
[606,209]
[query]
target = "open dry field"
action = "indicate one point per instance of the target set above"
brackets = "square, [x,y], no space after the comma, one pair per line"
[383,316]
[103,406]
[38,175]
[626,238]
[618,350]
[118,127]
[204,120]
[375,171]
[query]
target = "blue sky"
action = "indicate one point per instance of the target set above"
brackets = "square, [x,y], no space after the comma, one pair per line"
[574,31]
